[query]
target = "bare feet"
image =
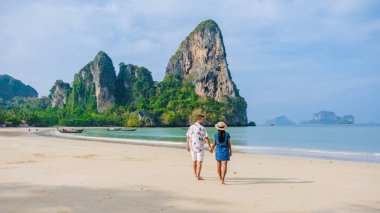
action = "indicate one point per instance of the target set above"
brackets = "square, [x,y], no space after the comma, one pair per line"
[200,178]
[222,181]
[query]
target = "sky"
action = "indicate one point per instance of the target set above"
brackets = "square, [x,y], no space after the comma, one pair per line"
[287,57]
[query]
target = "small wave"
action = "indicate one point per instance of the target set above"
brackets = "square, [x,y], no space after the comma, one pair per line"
[323,154]
[248,148]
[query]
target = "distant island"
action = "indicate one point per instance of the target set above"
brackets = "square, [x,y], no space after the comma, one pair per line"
[326,117]
[197,81]
[322,117]
[280,121]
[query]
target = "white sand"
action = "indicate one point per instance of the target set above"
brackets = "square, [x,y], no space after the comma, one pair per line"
[44,174]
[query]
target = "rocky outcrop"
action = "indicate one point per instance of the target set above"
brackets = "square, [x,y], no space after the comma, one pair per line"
[124,83]
[59,94]
[201,58]
[347,119]
[94,85]
[146,118]
[132,83]
[326,117]
[10,88]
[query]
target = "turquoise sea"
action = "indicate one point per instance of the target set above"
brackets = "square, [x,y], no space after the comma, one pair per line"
[341,142]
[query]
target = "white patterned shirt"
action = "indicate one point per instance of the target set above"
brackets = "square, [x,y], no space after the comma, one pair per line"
[196,135]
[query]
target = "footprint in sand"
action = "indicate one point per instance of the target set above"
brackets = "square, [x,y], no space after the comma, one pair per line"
[39,155]
[87,156]
[22,162]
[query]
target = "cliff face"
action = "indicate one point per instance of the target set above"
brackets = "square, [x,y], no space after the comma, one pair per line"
[135,83]
[201,59]
[10,88]
[94,85]
[59,94]
[132,83]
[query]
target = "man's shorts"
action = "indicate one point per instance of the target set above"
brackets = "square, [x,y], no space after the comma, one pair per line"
[197,156]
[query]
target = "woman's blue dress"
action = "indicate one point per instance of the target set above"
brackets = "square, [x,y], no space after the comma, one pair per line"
[222,152]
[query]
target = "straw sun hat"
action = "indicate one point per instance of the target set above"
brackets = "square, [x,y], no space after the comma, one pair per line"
[221,126]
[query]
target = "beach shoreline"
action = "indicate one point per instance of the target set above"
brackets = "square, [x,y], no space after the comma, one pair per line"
[360,157]
[50,174]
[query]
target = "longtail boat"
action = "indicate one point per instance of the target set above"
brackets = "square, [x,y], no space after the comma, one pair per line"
[63,130]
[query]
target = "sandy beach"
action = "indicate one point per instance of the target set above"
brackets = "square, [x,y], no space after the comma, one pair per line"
[47,174]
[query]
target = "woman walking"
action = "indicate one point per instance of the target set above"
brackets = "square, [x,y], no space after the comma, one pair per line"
[223,151]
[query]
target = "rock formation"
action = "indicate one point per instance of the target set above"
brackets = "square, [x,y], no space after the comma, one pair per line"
[347,119]
[326,117]
[59,94]
[201,58]
[94,85]
[132,82]
[198,79]
[10,88]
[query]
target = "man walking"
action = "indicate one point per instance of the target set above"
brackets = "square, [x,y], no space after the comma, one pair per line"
[196,135]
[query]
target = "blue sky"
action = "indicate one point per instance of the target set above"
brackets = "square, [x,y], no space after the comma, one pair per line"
[289,58]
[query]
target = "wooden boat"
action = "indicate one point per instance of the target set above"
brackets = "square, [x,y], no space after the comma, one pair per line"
[113,129]
[63,130]
[128,129]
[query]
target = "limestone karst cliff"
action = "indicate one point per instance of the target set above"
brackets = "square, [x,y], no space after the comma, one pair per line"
[201,58]
[94,85]
[59,94]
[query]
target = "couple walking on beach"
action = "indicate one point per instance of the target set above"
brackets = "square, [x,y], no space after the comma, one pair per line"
[197,135]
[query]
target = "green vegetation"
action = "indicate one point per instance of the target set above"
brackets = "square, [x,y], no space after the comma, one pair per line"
[208,24]
[171,102]
[83,94]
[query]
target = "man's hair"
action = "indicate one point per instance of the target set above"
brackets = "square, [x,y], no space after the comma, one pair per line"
[200,116]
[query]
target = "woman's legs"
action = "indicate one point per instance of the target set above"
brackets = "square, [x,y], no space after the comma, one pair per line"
[219,168]
[224,170]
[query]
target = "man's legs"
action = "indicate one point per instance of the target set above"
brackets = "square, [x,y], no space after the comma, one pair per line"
[195,168]
[200,157]
[197,163]
[199,170]
[195,158]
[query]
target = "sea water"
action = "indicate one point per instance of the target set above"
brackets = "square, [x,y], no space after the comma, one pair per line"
[341,142]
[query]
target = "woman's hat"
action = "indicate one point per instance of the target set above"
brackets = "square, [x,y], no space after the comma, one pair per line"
[221,126]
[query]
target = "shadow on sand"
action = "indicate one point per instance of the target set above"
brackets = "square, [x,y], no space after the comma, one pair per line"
[251,180]
[18,197]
